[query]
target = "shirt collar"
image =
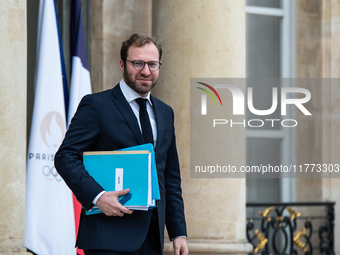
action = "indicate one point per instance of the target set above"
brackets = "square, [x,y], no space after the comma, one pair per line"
[129,94]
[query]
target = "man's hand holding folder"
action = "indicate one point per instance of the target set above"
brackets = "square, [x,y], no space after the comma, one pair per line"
[109,203]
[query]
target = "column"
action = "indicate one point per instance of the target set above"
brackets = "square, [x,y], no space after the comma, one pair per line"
[12,126]
[112,23]
[204,39]
[317,56]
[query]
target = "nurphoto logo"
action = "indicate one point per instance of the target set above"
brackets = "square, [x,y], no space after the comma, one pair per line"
[254,127]
[281,98]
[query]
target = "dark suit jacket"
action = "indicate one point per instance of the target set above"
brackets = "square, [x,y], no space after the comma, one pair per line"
[105,121]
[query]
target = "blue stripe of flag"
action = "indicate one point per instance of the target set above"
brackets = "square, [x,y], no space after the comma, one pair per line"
[63,69]
[78,47]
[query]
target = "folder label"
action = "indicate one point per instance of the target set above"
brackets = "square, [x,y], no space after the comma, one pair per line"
[119,179]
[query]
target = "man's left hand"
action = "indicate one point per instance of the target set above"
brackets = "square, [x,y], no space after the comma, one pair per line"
[180,246]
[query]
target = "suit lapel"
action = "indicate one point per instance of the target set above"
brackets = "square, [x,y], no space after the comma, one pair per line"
[159,121]
[125,109]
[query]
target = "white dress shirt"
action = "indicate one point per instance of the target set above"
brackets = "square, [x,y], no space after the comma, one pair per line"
[131,96]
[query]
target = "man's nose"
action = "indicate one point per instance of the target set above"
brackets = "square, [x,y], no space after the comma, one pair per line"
[146,70]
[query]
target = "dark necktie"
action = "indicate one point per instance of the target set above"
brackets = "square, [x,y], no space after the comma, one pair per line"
[145,121]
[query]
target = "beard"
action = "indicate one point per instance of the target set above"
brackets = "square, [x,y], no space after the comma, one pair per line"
[142,88]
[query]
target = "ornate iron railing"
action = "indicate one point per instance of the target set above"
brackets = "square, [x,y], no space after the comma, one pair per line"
[291,228]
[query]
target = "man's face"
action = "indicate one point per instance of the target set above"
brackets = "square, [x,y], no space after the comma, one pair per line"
[144,80]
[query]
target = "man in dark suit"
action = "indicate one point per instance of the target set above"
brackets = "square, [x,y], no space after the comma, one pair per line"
[126,116]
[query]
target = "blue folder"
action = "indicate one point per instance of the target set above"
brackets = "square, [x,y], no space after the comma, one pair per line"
[139,174]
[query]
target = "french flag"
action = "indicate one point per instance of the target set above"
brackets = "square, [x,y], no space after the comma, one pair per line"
[80,78]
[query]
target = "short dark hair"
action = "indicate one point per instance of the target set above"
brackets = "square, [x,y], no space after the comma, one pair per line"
[138,40]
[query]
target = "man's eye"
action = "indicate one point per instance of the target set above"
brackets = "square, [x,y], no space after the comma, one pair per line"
[139,63]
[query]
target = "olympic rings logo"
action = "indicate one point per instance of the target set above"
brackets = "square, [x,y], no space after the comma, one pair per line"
[51,173]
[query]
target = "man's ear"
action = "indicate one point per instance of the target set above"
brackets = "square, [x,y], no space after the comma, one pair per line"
[121,64]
